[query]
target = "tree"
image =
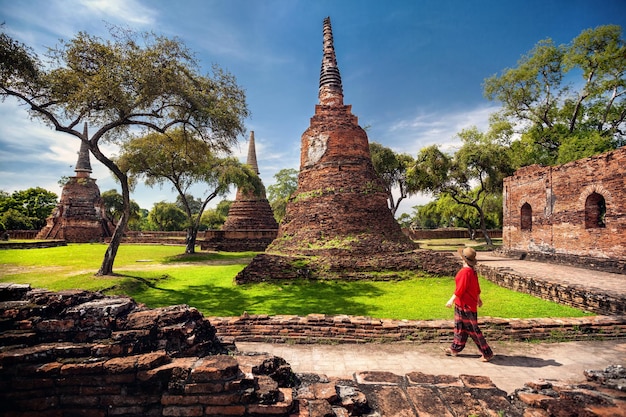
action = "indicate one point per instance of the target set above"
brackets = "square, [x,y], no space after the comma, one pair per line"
[279,193]
[184,160]
[391,168]
[557,122]
[13,219]
[476,170]
[32,207]
[213,219]
[142,222]
[195,204]
[167,217]
[114,206]
[129,82]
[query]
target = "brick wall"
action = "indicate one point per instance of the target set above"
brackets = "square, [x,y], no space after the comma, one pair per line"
[448,234]
[559,198]
[321,328]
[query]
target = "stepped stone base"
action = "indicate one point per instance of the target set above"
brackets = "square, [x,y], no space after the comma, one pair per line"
[339,264]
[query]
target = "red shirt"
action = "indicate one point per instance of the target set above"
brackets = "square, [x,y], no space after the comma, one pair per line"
[467,289]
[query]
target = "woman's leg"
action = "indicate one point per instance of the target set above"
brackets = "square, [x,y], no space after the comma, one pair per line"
[460,330]
[477,336]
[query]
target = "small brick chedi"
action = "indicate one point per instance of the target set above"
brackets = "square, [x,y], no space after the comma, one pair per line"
[249,211]
[250,225]
[574,213]
[80,216]
[339,210]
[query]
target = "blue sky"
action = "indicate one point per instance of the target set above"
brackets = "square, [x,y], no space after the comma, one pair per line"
[411,69]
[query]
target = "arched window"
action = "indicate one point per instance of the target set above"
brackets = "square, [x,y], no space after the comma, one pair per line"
[526,217]
[595,210]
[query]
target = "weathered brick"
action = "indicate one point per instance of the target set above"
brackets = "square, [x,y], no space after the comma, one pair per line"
[225,410]
[219,367]
[175,411]
[81,368]
[121,365]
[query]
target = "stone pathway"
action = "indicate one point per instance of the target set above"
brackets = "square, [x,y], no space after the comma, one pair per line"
[514,365]
[567,275]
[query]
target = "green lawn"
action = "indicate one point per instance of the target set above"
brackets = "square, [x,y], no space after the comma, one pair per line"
[160,276]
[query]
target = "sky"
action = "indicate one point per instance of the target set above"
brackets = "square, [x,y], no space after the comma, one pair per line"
[413,70]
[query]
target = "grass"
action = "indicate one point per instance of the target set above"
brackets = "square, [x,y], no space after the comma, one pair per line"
[161,275]
[453,244]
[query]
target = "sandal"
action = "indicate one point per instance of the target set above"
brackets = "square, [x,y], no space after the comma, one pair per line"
[449,352]
[486,358]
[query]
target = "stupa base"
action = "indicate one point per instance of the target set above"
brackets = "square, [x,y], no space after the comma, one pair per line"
[271,267]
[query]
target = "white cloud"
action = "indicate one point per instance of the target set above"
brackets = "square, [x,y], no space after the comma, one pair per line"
[128,11]
[424,129]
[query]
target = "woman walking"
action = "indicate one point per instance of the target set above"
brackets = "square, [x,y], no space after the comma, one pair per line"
[466,300]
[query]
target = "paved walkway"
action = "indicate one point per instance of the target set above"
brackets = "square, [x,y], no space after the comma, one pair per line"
[515,364]
[567,275]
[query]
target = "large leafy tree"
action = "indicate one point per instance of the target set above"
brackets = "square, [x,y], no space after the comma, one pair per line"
[279,192]
[391,168]
[34,205]
[114,206]
[216,217]
[167,217]
[132,80]
[183,160]
[567,101]
[475,171]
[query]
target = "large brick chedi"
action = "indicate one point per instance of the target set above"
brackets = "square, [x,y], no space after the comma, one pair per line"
[574,212]
[340,202]
[337,223]
[80,215]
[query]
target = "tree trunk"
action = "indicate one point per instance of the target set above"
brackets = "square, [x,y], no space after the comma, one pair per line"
[483,227]
[109,256]
[470,228]
[190,241]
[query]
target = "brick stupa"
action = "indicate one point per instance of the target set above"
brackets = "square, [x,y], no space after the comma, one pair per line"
[339,198]
[250,211]
[80,216]
[338,217]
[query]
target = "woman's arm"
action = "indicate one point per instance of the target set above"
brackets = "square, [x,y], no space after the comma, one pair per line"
[450,302]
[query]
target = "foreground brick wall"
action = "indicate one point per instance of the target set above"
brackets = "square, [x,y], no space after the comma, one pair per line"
[78,353]
[555,199]
[321,328]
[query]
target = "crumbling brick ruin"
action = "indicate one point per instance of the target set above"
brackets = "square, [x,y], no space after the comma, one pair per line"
[340,204]
[80,216]
[80,353]
[572,213]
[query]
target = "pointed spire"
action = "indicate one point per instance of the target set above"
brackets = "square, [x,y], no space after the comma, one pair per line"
[331,91]
[83,166]
[252,154]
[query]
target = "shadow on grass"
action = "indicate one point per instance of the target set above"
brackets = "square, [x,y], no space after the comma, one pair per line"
[297,298]
[201,257]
